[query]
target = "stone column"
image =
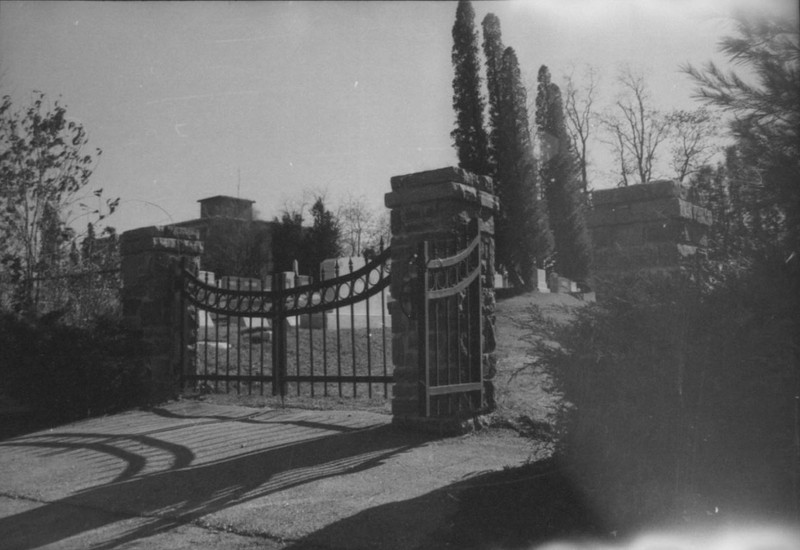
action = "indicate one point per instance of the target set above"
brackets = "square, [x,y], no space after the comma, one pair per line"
[652,228]
[151,304]
[434,205]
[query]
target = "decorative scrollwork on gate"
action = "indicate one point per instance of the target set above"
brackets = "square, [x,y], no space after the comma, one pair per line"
[213,299]
[340,291]
[448,276]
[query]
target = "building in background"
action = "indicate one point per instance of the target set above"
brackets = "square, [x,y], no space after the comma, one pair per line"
[235,243]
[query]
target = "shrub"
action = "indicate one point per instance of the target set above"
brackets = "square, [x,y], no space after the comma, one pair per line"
[66,372]
[678,401]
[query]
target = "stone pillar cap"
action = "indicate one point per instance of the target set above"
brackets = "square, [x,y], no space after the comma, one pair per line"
[442,175]
[445,183]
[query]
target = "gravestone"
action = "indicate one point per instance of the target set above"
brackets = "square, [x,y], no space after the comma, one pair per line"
[355,317]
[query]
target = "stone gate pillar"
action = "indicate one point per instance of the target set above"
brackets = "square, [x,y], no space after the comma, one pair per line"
[151,304]
[652,227]
[434,205]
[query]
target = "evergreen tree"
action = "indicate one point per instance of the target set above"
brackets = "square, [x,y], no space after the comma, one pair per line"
[493,50]
[322,240]
[287,241]
[766,112]
[469,135]
[524,237]
[561,181]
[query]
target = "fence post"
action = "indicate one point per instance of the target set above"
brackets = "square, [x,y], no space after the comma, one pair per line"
[433,205]
[151,304]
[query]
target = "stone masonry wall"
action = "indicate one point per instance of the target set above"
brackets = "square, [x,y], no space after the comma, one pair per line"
[151,306]
[651,227]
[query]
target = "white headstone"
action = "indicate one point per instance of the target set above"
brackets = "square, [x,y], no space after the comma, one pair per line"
[356,316]
[541,281]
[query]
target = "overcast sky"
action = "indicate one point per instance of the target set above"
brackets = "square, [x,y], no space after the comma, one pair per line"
[187,99]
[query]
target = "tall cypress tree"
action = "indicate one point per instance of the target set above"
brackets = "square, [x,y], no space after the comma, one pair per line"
[469,135]
[322,239]
[493,51]
[525,240]
[561,182]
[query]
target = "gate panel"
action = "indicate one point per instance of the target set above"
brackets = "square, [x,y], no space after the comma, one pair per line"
[450,324]
[307,339]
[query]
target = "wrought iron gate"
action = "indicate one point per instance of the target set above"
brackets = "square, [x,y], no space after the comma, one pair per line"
[450,328]
[306,337]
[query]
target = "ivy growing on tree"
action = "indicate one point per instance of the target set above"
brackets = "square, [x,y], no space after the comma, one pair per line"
[561,182]
[469,135]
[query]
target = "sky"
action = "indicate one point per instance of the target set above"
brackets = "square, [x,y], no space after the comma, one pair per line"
[277,101]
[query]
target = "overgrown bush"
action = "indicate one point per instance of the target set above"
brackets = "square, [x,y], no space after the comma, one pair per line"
[80,297]
[67,372]
[679,402]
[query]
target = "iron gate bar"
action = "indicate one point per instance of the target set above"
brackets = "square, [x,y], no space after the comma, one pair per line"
[459,287]
[439,263]
[455,388]
[278,339]
[324,352]
[424,321]
[229,377]
[353,332]
[360,378]
[383,330]
[369,352]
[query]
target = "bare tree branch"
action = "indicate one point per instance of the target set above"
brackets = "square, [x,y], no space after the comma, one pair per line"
[578,107]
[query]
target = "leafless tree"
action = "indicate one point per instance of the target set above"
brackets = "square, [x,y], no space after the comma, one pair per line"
[361,226]
[692,140]
[579,101]
[636,128]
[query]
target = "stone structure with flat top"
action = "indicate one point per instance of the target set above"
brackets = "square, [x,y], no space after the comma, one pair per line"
[653,227]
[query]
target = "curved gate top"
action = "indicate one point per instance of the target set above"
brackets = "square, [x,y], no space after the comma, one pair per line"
[325,338]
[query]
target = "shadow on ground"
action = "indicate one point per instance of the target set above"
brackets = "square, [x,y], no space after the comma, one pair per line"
[186,491]
[509,509]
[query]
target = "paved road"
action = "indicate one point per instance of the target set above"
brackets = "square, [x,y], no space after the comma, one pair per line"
[196,475]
